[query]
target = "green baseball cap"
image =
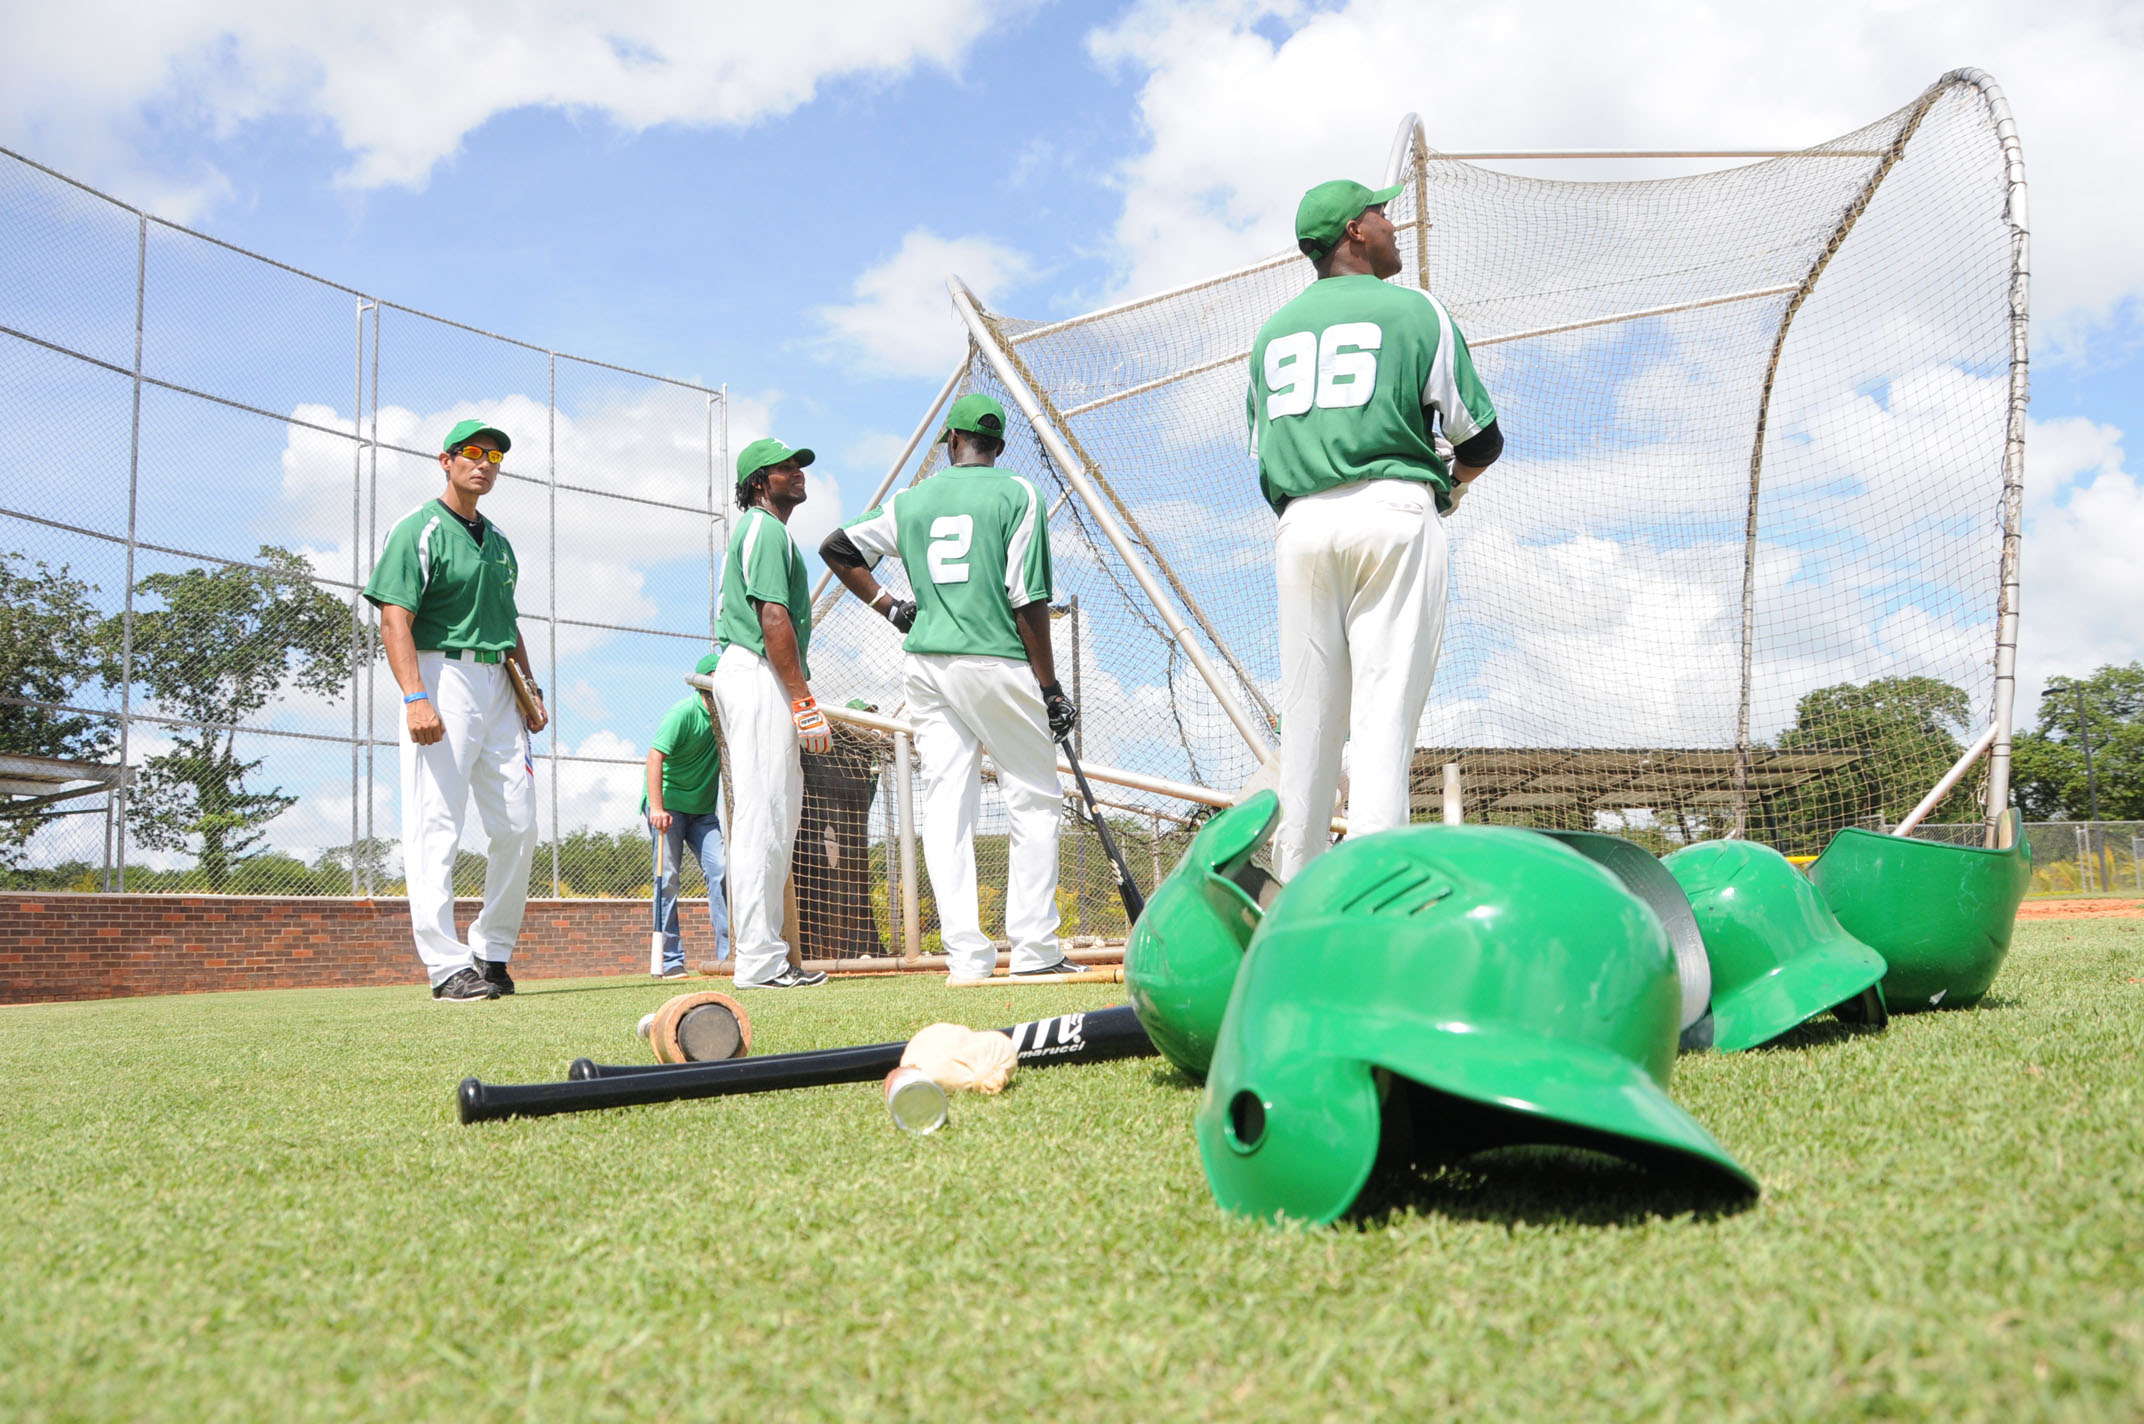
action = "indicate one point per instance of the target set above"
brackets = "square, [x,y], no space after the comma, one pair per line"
[462,433]
[1326,210]
[705,667]
[977,414]
[770,451]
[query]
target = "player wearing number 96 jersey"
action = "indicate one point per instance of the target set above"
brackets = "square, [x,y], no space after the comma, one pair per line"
[981,677]
[1346,382]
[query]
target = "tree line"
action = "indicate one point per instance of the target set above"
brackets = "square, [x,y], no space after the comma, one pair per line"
[214,647]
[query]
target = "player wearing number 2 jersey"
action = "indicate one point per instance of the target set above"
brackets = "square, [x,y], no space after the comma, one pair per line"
[1350,384]
[975,542]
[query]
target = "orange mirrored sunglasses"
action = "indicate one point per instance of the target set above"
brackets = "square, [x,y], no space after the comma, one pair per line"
[480,454]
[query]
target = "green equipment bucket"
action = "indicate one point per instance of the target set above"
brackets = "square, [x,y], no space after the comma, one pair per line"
[1940,915]
[1778,956]
[1181,960]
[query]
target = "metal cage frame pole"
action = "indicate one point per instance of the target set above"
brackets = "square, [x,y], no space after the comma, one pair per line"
[900,463]
[1075,474]
[713,518]
[2016,214]
[904,797]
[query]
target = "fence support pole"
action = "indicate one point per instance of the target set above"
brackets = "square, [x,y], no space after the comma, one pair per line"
[357,597]
[126,624]
[905,810]
[551,582]
[1455,804]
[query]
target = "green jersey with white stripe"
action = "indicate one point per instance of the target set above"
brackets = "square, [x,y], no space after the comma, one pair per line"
[460,593]
[976,543]
[1344,381]
[763,563]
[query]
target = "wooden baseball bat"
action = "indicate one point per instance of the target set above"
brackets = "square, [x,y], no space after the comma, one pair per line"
[1094,1037]
[1108,974]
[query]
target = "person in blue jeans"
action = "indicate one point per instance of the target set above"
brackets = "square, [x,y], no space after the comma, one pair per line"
[683,805]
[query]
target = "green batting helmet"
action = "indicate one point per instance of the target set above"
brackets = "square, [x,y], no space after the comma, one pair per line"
[1181,960]
[1940,915]
[1510,990]
[1779,958]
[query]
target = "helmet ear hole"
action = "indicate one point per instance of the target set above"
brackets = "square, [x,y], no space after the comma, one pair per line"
[1246,1121]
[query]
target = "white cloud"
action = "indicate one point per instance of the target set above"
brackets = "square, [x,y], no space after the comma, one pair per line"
[902,322]
[2083,579]
[402,82]
[1239,123]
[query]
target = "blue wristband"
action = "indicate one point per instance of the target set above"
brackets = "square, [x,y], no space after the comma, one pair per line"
[415,697]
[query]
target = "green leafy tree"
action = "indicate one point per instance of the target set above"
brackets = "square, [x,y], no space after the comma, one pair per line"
[2048,767]
[222,647]
[1905,731]
[48,650]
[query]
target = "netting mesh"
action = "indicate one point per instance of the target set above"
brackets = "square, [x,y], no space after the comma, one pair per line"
[1738,571]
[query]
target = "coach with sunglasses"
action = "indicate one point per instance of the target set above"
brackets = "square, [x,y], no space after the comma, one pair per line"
[445,590]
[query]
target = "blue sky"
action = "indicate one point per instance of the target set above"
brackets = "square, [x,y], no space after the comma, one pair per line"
[770,197]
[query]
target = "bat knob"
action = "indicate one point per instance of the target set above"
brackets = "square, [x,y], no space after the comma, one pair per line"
[583,1070]
[470,1097]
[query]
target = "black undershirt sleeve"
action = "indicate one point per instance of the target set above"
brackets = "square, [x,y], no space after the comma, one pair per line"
[840,551]
[1481,451]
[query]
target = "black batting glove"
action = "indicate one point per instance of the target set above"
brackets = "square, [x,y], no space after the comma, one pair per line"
[1059,709]
[901,613]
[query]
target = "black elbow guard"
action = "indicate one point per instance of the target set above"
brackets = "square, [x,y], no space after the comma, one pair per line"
[1481,451]
[840,551]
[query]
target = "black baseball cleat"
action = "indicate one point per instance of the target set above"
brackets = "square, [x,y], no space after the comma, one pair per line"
[791,977]
[464,986]
[1062,966]
[494,972]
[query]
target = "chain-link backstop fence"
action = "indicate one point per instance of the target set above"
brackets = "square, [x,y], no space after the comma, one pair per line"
[201,451]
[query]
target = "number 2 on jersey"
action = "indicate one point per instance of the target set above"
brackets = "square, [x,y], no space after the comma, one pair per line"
[951,534]
[1334,370]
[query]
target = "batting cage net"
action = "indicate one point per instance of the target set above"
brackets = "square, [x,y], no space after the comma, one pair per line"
[1747,566]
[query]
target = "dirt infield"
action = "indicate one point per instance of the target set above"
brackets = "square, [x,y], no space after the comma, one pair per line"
[2081,910]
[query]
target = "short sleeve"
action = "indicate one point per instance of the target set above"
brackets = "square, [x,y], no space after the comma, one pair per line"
[1027,549]
[875,533]
[765,563]
[399,577]
[673,731]
[1453,389]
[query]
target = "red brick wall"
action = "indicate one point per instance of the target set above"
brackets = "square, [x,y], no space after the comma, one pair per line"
[55,946]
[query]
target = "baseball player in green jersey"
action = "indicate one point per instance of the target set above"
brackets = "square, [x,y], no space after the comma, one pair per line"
[981,677]
[444,586]
[1352,385]
[763,696]
[683,807]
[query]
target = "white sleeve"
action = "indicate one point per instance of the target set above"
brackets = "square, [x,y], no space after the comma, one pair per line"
[877,534]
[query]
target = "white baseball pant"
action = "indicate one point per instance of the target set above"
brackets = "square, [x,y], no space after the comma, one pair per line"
[962,707]
[766,802]
[484,754]
[1362,572]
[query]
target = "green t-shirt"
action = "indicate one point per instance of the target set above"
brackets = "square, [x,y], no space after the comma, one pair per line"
[461,593]
[692,767]
[763,563]
[1343,381]
[976,543]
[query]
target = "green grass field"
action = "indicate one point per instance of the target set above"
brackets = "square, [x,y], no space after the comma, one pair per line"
[260,1206]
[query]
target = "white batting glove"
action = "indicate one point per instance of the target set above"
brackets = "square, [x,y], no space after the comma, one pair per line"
[813,734]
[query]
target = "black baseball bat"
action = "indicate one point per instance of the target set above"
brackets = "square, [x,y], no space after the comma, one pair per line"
[1127,888]
[1094,1037]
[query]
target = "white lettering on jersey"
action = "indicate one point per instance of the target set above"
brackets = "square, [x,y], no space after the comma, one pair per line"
[1334,370]
[951,534]
[1289,361]
[1347,363]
